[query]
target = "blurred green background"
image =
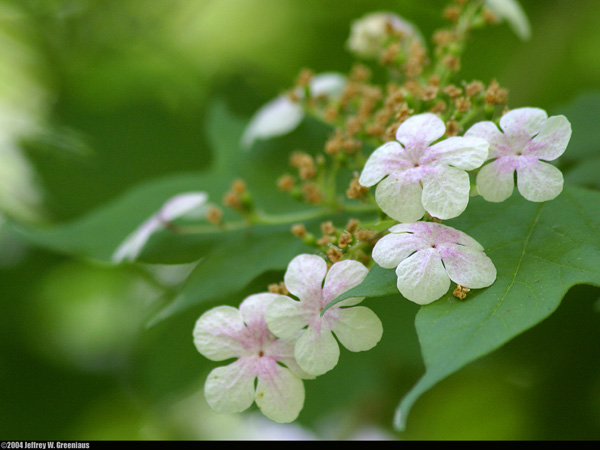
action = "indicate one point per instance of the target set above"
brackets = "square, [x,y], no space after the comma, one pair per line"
[98,96]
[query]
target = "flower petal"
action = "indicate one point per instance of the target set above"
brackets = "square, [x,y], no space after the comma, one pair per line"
[552,140]
[513,13]
[399,200]
[192,203]
[387,159]
[496,181]
[304,277]
[131,247]
[523,121]
[341,277]
[230,389]
[329,83]
[468,267]
[357,328]
[539,181]
[218,333]
[279,394]
[394,248]
[446,192]
[275,118]
[465,153]
[421,130]
[285,317]
[253,308]
[317,351]
[489,131]
[422,277]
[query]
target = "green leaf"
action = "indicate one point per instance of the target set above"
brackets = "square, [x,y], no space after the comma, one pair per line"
[236,263]
[540,251]
[379,282]
[99,233]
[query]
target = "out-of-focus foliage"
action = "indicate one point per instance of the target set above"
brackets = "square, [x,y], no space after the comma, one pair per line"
[97,97]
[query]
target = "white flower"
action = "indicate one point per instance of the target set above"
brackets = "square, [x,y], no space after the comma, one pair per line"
[421,177]
[528,136]
[428,255]
[282,115]
[357,328]
[512,12]
[225,332]
[368,34]
[190,204]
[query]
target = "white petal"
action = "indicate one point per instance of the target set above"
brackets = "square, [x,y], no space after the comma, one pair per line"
[489,131]
[131,247]
[329,83]
[189,203]
[552,140]
[341,277]
[422,277]
[304,277]
[446,192]
[539,181]
[279,394]
[394,248]
[387,159]
[421,130]
[468,267]
[523,121]
[229,389]
[285,317]
[399,200]
[357,328]
[253,308]
[465,153]
[513,13]
[317,351]
[218,333]
[496,181]
[282,350]
[276,118]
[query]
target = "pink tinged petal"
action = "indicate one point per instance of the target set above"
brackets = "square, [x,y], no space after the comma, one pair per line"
[230,389]
[446,192]
[394,248]
[496,181]
[189,203]
[253,308]
[279,393]
[341,277]
[317,351]
[358,328]
[276,118]
[460,152]
[552,140]
[399,200]
[523,121]
[468,267]
[387,159]
[304,277]
[539,181]
[487,130]
[219,332]
[285,317]
[421,130]
[422,278]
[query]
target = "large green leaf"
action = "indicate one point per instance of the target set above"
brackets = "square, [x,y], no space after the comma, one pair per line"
[540,250]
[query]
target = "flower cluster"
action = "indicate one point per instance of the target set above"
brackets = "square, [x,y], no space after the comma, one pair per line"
[279,341]
[437,143]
